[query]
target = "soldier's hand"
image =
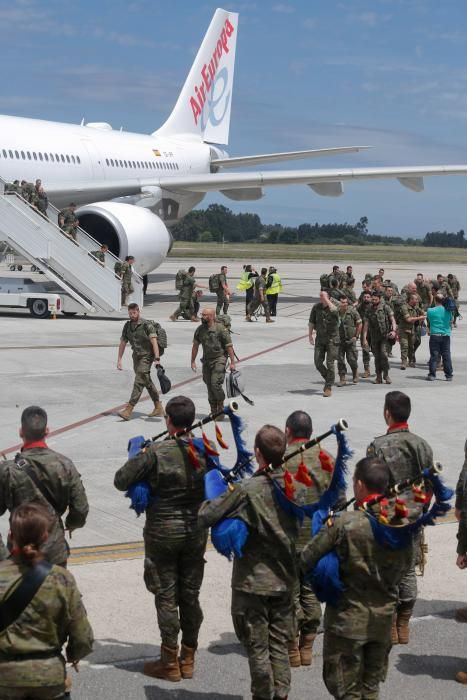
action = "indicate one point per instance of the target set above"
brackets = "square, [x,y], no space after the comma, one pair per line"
[461,561]
[119,364]
[457,513]
[312,339]
[193,367]
[232,366]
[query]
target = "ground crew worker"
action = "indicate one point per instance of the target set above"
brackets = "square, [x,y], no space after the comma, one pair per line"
[31,660]
[273,289]
[298,430]
[409,330]
[324,320]
[126,274]
[378,326]
[185,297]
[142,336]
[259,298]
[42,475]
[223,292]
[246,284]
[363,305]
[100,254]
[350,327]
[217,347]
[406,456]
[263,578]
[174,540]
[357,631]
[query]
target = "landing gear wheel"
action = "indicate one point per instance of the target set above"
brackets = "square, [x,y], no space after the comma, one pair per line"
[39,308]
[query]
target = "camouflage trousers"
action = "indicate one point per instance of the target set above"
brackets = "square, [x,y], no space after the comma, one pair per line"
[255,304]
[223,303]
[127,289]
[409,342]
[173,572]
[142,366]
[186,308]
[407,589]
[354,668]
[326,351]
[307,609]
[264,625]
[349,352]
[213,377]
[379,348]
[365,355]
[33,679]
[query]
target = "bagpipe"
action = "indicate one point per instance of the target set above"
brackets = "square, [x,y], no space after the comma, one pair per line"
[230,534]
[393,531]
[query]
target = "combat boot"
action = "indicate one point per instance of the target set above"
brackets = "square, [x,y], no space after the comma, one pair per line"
[269,319]
[387,379]
[327,391]
[248,318]
[172,317]
[294,654]
[378,379]
[342,380]
[461,677]
[404,613]
[355,377]
[158,410]
[412,364]
[187,661]
[306,648]
[403,365]
[126,412]
[366,373]
[167,667]
[195,319]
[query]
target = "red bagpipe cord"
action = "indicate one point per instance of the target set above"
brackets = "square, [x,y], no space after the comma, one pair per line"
[193,455]
[326,462]
[400,508]
[208,447]
[302,475]
[220,440]
[288,485]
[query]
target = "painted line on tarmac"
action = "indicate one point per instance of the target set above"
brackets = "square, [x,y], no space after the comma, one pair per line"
[113,411]
[56,347]
[99,554]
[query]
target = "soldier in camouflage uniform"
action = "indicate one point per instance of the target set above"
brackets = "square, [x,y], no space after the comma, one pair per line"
[298,430]
[424,291]
[126,274]
[41,474]
[363,306]
[185,296]
[217,345]
[357,632]
[378,326]
[350,328]
[100,254]
[349,291]
[67,220]
[142,336]
[406,456]
[174,540]
[31,661]
[223,293]
[260,298]
[264,577]
[455,288]
[409,330]
[324,319]
[335,290]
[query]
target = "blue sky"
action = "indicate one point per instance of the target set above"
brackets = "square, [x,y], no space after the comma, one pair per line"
[387,73]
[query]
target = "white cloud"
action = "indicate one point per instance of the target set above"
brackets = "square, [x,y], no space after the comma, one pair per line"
[283,8]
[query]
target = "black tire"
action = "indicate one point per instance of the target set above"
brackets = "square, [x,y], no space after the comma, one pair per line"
[69,313]
[39,308]
[20,267]
[34,268]
[12,268]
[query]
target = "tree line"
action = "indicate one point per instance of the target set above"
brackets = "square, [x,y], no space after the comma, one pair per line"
[218,223]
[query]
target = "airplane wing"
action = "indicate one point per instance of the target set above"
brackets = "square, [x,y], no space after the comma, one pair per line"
[241,161]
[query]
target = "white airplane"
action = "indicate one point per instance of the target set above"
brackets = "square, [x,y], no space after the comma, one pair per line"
[131,187]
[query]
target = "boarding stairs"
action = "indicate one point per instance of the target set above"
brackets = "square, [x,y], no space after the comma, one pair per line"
[69,264]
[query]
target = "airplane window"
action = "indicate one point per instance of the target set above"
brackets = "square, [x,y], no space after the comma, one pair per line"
[125,164]
[106,161]
[120,163]
[16,154]
[62,157]
[72,159]
[4,154]
[78,160]
[111,162]
[67,159]
[27,153]
[134,164]
[57,157]
[40,156]
[34,155]
[23,156]
[51,156]
[46,157]
[11,154]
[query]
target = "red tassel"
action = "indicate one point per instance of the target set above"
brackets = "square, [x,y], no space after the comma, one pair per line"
[419,495]
[288,485]
[220,440]
[383,510]
[400,508]
[208,447]
[326,462]
[192,455]
[303,475]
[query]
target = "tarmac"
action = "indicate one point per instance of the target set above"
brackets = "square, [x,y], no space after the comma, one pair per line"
[68,365]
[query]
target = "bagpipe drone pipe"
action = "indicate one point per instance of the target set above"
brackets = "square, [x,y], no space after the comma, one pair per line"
[230,534]
[392,533]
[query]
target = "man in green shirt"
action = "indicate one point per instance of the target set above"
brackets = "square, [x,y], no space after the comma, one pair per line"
[185,296]
[324,321]
[349,331]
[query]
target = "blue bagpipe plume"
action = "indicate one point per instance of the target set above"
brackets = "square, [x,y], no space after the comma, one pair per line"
[244,463]
[139,493]
[325,576]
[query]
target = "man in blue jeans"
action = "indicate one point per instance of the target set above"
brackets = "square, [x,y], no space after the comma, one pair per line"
[439,327]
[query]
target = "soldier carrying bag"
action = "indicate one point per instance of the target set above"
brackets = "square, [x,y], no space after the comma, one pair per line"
[18,601]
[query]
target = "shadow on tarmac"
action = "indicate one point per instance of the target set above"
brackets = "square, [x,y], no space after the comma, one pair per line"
[154,693]
[436,666]
[226,644]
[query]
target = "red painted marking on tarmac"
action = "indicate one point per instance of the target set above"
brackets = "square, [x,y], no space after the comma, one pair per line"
[111,411]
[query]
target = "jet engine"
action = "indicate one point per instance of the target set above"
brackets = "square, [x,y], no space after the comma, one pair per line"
[128,230]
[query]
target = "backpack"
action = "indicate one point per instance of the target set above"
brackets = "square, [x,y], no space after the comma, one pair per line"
[225,320]
[450,304]
[214,283]
[161,334]
[180,278]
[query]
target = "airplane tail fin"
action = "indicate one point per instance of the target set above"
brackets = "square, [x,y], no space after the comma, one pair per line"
[204,104]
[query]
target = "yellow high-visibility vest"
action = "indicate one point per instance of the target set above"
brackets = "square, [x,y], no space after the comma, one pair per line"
[245,282]
[276,286]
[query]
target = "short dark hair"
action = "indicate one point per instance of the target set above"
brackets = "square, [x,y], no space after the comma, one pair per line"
[71,204]
[224,267]
[104,245]
[450,276]
[129,257]
[133,305]
[181,411]
[264,270]
[271,442]
[247,268]
[399,406]
[300,425]
[335,267]
[33,423]
[374,473]
[192,269]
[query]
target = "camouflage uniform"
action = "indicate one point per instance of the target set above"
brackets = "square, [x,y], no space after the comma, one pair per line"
[31,662]
[409,333]
[350,294]
[406,455]
[68,218]
[99,255]
[222,298]
[255,303]
[348,341]
[214,341]
[379,326]
[139,336]
[455,287]
[424,292]
[325,321]
[127,287]
[461,505]
[185,296]
[357,632]
[3,550]
[306,605]
[59,480]
[174,541]
[262,579]
[362,309]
